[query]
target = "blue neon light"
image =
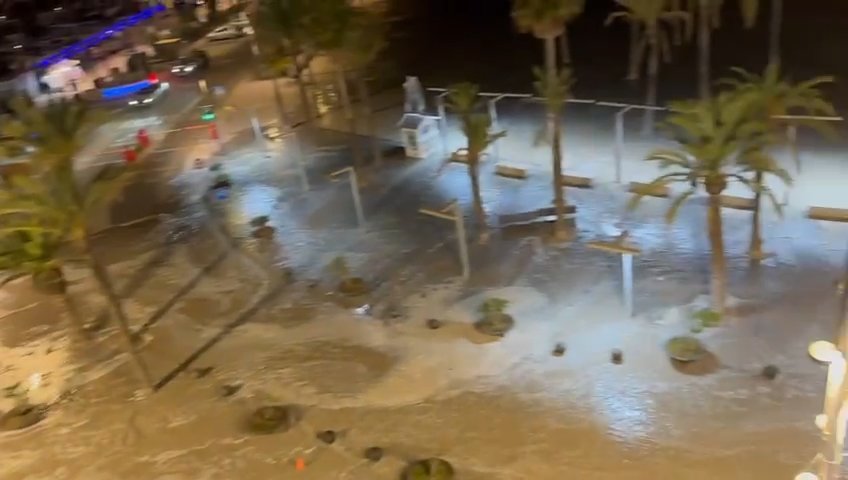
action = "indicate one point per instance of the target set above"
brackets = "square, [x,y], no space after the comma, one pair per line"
[111,93]
[79,47]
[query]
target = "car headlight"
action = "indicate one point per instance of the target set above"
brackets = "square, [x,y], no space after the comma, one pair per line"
[148,100]
[189,68]
[175,70]
[133,102]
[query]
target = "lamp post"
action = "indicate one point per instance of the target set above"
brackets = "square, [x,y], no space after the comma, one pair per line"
[832,421]
[452,213]
[354,190]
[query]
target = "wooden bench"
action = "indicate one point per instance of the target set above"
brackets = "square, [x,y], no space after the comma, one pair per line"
[576,181]
[542,215]
[828,214]
[510,172]
[737,203]
[649,190]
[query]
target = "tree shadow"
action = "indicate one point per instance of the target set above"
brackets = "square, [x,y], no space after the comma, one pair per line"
[183,291]
[241,319]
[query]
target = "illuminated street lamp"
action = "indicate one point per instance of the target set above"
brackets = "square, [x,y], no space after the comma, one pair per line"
[832,422]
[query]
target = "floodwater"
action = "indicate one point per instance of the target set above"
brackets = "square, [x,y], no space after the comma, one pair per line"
[503,409]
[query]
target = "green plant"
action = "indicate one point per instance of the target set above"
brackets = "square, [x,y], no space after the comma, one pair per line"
[259,221]
[340,268]
[493,306]
[707,318]
[685,349]
[429,469]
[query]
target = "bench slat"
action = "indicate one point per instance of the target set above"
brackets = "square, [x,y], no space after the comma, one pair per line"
[576,181]
[646,189]
[828,214]
[738,203]
[510,172]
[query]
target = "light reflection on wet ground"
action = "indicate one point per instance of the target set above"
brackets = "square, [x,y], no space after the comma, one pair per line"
[504,410]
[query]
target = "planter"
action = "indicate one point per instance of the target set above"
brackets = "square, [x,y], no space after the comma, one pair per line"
[685,349]
[353,286]
[272,419]
[49,281]
[495,324]
[429,469]
[21,417]
[264,232]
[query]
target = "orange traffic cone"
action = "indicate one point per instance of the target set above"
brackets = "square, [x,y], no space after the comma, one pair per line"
[299,464]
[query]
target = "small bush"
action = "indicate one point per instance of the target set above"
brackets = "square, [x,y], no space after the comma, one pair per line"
[22,416]
[429,469]
[685,349]
[374,454]
[493,306]
[271,419]
[495,325]
[707,318]
[770,372]
[259,221]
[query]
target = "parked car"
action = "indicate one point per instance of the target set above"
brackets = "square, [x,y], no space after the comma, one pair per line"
[225,32]
[195,61]
[149,96]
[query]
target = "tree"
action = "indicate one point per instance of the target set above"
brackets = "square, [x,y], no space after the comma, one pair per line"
[771,98]
[710,134]
[576,8]
[32,247]
[545,19]
[555,92]
[55,133]
[709,17]
[462,98]
[363,40]
[289,31]
[650,16]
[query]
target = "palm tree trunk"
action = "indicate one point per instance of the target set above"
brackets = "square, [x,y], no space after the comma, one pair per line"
[564,47]
[704,49]
[755,251]
[278,101]
[774,32]
[304,97]
[554,132]
[638,43]
[117,308]
[365,96]
[479,211]
[341,80]
[718,273]
[653,80]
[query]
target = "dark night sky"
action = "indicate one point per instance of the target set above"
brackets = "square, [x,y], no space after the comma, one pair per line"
[446,41]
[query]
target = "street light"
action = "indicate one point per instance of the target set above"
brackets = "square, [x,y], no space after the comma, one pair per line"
[832,422]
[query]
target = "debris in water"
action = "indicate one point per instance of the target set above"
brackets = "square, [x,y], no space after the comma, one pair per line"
[364,310]
[434,323]
[374,454]
[559,350]
[327,436]
[617,356]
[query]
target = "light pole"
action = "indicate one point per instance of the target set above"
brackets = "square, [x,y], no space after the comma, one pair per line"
[832,421]
[620,247]
[459,224]
[354,190]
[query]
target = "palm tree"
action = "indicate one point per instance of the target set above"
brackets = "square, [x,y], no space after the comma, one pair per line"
[775,27]
[545,19]
[555,92]
[575,9]
[476,126]
[286,31]
[34,250]
[709,17]
[363,40]
[711,134]
[55,197]
[773,98]
[650,16]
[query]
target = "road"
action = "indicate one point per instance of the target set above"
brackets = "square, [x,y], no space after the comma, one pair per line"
[177,132]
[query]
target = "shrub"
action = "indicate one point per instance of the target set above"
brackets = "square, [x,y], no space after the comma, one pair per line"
[493,306]
[271,419]
[429,469]
[707,318]
[685,349]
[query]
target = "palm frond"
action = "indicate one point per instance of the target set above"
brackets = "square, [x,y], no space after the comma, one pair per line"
[674,208]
